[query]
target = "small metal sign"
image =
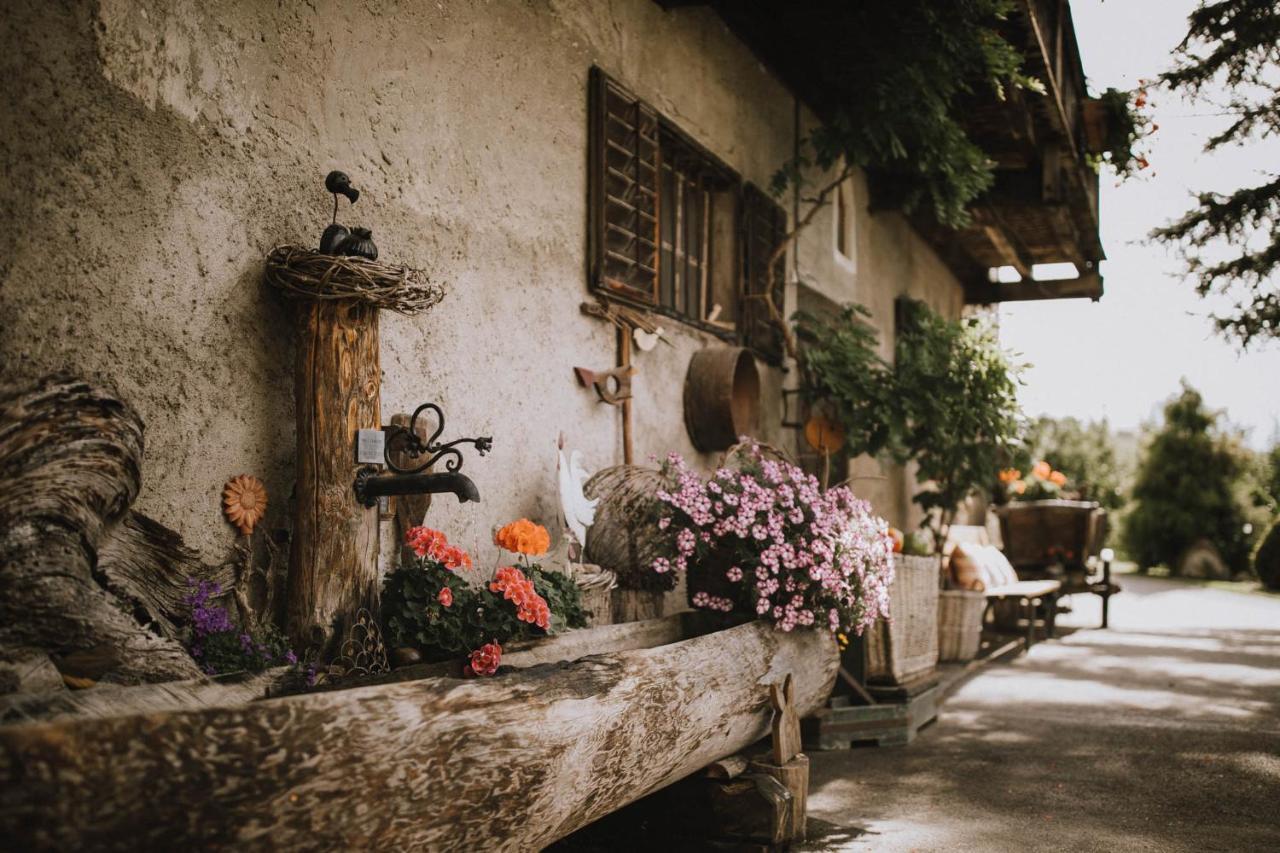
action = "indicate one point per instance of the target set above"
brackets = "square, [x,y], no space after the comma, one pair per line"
[370,444]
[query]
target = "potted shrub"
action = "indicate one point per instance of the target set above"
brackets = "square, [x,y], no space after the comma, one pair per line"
[956,408]
[431,605]
[759,538]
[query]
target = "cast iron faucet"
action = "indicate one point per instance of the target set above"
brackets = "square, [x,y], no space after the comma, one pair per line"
[369,485]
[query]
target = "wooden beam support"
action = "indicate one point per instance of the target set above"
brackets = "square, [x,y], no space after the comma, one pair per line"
[1004,240]
[1087,286]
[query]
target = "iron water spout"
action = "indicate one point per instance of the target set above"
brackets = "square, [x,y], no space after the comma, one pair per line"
[406,441]
[370,485]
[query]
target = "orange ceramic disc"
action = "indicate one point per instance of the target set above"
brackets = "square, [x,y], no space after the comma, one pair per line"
[823,434]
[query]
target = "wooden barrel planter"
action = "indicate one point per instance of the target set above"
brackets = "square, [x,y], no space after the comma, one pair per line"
[511,762]
[721,397]
[1038,534]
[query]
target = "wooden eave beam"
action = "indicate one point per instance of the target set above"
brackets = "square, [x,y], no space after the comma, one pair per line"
[1004,240]
[1054,82]
[1087,286]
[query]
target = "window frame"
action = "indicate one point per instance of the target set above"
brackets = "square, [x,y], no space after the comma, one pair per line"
[845,227]
[670,134]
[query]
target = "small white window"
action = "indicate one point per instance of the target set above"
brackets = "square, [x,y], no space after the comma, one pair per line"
[845,236]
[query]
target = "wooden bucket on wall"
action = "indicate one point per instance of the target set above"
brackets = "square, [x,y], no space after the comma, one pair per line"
[721,397]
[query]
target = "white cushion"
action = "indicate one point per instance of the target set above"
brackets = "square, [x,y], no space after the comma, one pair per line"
[997,566]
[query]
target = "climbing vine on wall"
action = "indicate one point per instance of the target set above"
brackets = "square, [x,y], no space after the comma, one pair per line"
[899,98]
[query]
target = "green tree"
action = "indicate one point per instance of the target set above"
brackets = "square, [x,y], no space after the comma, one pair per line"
[1268,476]
[956,407]
[1230,240]
[841,371]
[1188,488]
[1084,452]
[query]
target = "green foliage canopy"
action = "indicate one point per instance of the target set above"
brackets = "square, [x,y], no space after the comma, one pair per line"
[1230,241]
[957,406]
[949,401]
[905,71]
[841,369]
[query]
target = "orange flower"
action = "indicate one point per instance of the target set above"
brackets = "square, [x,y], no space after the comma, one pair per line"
[433,545]
[523,537]
[1008,475]
[518,589]
[445,596]
[1041,470]
[1018,486]
[1058,478]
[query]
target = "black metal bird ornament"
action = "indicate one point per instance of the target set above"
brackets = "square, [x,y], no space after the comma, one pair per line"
[337,183]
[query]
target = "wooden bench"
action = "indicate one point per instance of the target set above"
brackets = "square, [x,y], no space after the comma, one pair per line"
[1030,595]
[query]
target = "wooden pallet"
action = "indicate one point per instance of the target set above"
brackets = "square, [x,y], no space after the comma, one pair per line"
[841,725]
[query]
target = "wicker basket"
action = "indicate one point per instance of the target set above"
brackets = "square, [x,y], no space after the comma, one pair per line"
[906,646]
[595,586]
[959,624]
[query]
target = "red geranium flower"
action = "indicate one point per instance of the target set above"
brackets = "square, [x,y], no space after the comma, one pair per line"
[484,660]
[445,596]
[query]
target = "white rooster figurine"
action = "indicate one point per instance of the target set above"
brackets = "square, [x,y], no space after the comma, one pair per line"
[578,511]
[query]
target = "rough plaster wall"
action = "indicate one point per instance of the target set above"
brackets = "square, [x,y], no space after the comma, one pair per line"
[156,151]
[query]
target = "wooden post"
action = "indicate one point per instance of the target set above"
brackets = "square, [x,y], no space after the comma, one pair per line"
[333,566]
[624,360]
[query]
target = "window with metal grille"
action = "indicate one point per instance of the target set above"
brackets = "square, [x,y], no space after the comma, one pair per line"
[672,227]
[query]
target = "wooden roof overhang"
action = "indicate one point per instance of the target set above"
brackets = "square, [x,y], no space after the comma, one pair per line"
[1043,207]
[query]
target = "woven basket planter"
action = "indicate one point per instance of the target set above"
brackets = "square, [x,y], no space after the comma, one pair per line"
[959,624]
[906,646]
[595,586]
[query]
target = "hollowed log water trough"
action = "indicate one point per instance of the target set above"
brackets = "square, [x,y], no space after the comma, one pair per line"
[512,762]
[154,756]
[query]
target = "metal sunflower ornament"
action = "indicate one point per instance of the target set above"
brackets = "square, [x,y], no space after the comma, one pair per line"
[244,502]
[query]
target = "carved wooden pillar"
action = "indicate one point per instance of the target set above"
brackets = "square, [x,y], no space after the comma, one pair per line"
[333,566]
[333,563]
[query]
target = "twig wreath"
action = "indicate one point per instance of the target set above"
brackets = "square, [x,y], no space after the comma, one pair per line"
[307,274]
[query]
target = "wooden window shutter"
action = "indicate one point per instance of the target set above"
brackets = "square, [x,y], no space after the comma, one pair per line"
[624,169]
[764,226]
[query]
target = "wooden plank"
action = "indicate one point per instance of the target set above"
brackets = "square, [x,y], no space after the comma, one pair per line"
[505,763]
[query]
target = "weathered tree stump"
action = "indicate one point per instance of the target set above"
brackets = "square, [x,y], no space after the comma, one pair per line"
[333,565]
[82,579]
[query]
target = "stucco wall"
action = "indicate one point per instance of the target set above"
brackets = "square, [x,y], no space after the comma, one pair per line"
[156,151]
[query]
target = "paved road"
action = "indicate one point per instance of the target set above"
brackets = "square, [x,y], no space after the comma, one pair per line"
[1160,734]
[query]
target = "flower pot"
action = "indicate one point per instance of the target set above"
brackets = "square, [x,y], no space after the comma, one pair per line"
[905,646]
[595,587]
[959,624]
[636,605]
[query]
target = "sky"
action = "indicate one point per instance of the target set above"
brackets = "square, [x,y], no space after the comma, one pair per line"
[1122,357]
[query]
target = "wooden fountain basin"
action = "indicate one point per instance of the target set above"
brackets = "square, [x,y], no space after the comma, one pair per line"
[511,762]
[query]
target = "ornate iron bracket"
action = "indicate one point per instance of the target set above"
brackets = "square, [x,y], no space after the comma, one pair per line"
[405,438]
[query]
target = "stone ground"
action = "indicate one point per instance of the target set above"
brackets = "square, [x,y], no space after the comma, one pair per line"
[1161,734]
